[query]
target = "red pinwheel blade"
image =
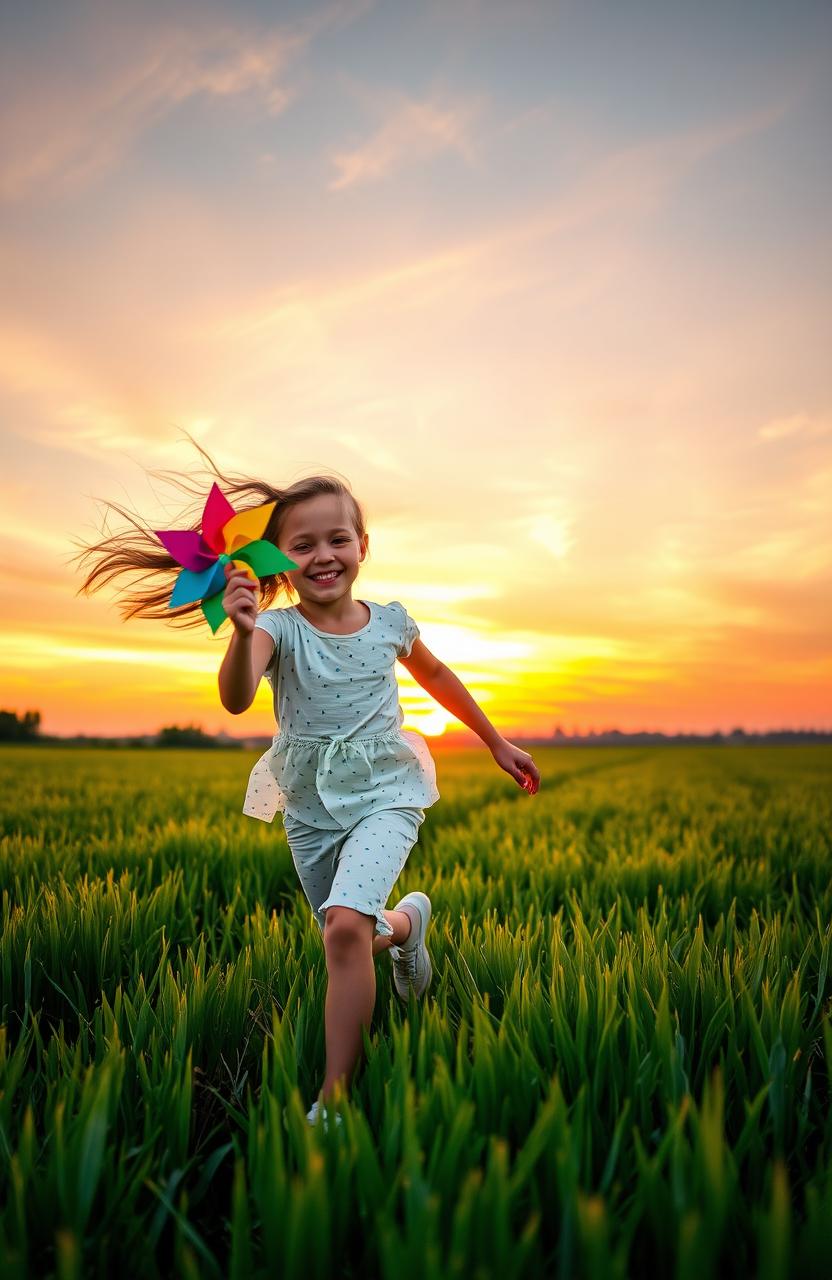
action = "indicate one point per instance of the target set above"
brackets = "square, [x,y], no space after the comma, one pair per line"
[218,511]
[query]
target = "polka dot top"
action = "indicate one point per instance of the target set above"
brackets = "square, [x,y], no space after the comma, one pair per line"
[340,751]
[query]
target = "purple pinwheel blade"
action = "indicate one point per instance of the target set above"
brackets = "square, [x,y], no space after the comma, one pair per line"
[187,548]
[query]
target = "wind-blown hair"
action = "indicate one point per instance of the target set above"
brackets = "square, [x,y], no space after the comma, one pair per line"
[137,552]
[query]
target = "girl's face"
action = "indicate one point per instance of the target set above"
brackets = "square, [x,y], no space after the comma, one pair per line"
[319,536]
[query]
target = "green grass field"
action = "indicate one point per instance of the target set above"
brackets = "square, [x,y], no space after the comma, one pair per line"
[622,1066]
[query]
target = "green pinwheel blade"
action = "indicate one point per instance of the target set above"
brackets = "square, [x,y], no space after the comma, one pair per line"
[263,557]
[214,612]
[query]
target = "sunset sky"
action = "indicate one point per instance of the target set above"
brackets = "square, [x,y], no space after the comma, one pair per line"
[549,284]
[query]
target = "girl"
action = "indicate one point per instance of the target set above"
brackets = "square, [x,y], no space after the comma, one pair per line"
[351,785]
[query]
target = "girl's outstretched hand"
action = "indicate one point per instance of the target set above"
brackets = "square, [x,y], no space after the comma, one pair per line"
[240,600]
[519,764]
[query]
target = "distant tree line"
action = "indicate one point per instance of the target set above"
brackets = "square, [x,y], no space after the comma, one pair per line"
[174,735]
[26,728]
[15,728]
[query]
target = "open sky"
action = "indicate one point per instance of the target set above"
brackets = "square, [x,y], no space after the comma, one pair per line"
[549,283]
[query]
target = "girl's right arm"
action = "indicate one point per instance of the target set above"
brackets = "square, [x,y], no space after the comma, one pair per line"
[250,649]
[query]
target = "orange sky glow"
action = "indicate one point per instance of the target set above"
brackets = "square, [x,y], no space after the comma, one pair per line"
[550,288]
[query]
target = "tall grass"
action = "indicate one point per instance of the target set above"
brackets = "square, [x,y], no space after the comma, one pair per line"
[622,1066]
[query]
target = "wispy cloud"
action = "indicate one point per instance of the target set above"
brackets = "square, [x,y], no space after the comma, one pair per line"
[85,90]
[414,132]
[632,182]
[551,530]
[798,424]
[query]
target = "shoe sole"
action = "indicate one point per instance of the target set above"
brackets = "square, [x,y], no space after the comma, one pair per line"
[421,902]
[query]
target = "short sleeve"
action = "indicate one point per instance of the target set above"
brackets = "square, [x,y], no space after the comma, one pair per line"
[407,631]
[270,622]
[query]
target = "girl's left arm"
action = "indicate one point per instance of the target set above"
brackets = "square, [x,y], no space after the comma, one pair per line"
[448,690]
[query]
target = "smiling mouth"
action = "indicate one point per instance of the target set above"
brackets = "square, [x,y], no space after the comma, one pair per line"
[326,577]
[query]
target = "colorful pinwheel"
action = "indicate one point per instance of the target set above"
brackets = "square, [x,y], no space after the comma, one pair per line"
[226,535]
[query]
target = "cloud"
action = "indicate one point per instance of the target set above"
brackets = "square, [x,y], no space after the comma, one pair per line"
[415,131]
[553,532]
[799,424]
[372,451]
[80,95]
[775,604]
[489,262]
[48,398]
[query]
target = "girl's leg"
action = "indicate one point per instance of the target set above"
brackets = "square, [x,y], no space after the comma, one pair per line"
[351,987]
[369,861]
[350,993]
[401,924]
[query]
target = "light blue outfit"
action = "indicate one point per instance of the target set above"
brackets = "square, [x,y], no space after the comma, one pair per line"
[350,783]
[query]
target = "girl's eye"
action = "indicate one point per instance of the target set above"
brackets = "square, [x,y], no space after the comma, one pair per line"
[302,546]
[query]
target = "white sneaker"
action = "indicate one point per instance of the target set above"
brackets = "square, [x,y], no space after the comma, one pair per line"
[317,1110]
[411,962]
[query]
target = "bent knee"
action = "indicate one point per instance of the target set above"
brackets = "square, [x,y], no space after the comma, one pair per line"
[346,929]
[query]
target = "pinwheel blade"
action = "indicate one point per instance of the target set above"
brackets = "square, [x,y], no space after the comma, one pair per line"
[239,563]
[264,558]
[247,526]
[214,612]
[191,586]
[218,511]
[187,548]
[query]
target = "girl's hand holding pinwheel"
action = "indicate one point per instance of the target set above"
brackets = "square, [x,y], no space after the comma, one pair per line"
[240,599]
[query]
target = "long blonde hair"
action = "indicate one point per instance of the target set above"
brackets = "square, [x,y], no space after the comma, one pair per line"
[138,550]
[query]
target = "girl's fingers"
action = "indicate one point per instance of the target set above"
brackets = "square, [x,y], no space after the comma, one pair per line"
[240,605]
[233,595]
[240,602]
[531,777]
[237,576]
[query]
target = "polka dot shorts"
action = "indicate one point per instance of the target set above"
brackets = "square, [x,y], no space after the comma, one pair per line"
[355,868]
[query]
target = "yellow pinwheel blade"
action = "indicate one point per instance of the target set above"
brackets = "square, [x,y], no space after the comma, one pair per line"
[247,569]
[246,526]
